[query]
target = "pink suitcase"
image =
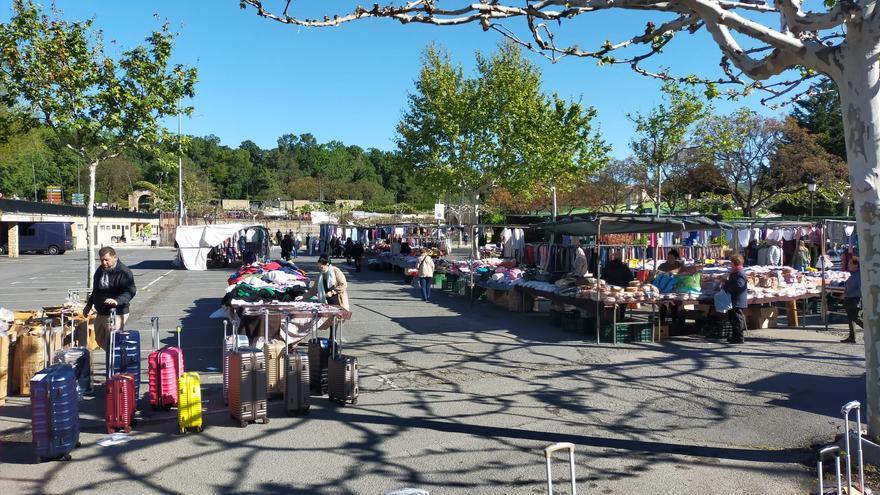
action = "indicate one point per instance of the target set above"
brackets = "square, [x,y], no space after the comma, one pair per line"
[165,367]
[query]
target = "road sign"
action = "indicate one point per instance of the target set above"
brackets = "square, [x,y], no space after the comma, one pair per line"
[78,199]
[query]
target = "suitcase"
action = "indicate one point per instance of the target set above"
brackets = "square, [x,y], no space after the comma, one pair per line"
[296,378]
[125,355]
[54,412]
[548,455]
[121,403]
[274,352]
[189,410]
[247,385]
[80,358]
[164,366]
[319,356]
[342,371]
[230,342]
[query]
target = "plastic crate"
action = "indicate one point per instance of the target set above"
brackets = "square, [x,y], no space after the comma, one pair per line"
[623,331]
[450,283]
[717,327]
[439,279]
[642,332]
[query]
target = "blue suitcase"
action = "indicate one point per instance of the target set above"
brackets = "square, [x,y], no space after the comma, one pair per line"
[54,412]
[126,348]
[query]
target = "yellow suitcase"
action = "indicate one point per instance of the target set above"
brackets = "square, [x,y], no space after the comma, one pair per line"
[189,396]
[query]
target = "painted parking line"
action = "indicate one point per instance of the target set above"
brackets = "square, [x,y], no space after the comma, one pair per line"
[157,279]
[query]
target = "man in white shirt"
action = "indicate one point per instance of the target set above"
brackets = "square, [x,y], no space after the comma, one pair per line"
[774,253]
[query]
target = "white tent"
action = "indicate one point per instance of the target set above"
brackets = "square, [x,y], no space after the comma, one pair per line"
[194,242]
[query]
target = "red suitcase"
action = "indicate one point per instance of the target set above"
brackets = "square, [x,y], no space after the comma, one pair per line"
[121,403]
[121,400]
[165,366]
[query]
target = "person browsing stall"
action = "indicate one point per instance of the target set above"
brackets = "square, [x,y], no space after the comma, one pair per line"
[112,288]
[425,272]
[852,297]
[737,286]
[331,285]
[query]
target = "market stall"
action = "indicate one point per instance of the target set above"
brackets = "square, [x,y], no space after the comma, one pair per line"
[196,244]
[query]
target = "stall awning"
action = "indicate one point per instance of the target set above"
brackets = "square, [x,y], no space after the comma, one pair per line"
[194,242]
[632,224]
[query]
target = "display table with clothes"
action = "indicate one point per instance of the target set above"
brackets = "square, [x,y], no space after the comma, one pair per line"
[291,320]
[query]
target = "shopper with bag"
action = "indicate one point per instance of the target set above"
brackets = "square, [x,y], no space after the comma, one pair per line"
[736,286]
[425,273]
[331,286]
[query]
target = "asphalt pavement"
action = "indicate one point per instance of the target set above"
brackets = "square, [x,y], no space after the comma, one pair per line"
[456,397]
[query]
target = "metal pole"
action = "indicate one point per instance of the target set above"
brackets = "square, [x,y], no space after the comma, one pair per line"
[659,174]
[598,294]
[180,213]
[553,190]
[34,169]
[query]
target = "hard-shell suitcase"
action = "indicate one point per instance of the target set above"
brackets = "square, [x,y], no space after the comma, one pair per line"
[120,397]
[80,358]
[319,356]
[54,411]
[189,410]
[124,355]
[548,455]
[342,371]
[121,403]
[230,342]
[274,352]
[296,378]
[164,366]
[247,385]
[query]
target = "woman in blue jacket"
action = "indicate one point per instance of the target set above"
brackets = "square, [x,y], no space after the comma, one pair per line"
[736,286]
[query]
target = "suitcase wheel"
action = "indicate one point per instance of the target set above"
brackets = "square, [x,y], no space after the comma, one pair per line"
[127,429]
[242,424]
[79,444]
[201,429]
[134,423]
[354,401]
[66,457]
[110,431]
[265,421]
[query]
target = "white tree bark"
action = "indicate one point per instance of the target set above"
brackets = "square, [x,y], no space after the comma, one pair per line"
[90,222]
[860,105]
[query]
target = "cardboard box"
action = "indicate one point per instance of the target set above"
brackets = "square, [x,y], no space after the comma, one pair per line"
[30,351]
[761,317]
[661,332]
[4,368]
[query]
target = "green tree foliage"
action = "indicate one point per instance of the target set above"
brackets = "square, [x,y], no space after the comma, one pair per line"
[820,115]
[660,146]
[97,106]
[496,129]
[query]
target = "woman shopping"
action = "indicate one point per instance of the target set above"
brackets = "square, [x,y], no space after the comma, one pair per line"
[425,272]
[331,286]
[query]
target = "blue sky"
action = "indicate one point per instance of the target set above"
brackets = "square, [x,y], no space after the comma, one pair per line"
[259,79]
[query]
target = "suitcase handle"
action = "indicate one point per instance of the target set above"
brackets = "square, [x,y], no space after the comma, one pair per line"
[548,454]
[823,454]
[154,331]
[846,410]
[266,326]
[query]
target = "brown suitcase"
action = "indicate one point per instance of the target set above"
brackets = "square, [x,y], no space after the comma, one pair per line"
[342,371]
[274,353]
[247,385]
[296,378]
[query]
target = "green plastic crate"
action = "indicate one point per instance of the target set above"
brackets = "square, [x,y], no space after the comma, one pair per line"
[439,279]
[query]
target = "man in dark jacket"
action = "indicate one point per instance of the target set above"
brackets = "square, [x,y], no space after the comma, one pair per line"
[286,247]
[617,273]
[357,253]
[736,286]
[112,288]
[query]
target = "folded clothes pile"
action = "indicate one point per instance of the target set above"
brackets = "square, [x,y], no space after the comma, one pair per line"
[274,281]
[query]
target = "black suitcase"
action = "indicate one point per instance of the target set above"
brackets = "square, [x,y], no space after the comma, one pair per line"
[342,371]
[296,378]
[247,385]
[319,356]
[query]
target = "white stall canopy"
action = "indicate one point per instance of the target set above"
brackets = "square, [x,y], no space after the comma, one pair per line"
[195,242]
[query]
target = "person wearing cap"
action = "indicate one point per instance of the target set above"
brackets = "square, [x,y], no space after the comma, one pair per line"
[331,287]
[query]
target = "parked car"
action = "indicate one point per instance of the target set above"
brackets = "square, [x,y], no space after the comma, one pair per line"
[40,237]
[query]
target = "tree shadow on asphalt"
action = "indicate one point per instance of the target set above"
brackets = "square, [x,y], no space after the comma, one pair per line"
[600,397]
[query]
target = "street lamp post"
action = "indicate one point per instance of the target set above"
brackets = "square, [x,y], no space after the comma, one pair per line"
[687,202]
[812,187]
